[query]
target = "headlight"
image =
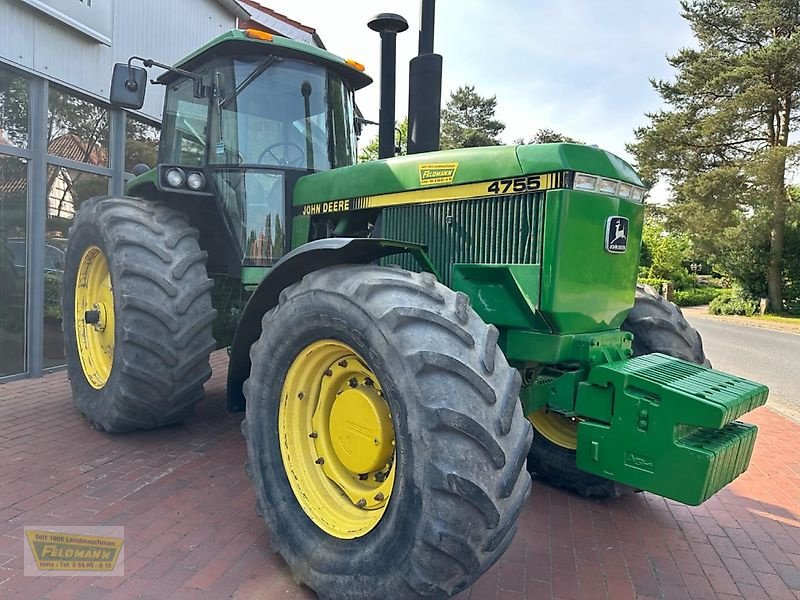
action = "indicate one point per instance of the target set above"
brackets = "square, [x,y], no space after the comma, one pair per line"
[175,177]
[195,181]
[584,182]
[607,186]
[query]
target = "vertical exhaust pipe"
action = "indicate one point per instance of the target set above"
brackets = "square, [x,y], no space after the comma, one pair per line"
[388,25]
[425,88]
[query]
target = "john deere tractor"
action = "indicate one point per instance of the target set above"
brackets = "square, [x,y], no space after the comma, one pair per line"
[404,334]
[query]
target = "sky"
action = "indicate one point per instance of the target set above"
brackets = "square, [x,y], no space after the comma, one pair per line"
[580,67]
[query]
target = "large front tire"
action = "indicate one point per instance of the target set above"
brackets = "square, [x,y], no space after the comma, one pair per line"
[460,439]
[137,314]
[657,326]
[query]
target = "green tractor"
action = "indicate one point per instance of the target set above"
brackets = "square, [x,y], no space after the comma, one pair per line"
[394,327]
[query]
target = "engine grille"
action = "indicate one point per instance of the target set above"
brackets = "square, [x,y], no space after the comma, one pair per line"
[488,230]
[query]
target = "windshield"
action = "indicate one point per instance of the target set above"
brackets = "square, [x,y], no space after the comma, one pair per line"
[281,113]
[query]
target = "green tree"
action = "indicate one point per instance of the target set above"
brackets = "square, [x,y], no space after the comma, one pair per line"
[723,140]
[548,136]
[468,120]
[666,254]
[370,151]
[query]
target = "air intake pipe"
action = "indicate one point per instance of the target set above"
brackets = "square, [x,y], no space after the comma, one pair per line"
[388,25]
[425,88]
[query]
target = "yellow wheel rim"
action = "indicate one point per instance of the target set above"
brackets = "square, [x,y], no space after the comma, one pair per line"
[337,439]
[557,428]
[94,317]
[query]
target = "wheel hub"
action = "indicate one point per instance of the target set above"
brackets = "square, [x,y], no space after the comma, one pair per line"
[340,465]
[361,430]
[94,317]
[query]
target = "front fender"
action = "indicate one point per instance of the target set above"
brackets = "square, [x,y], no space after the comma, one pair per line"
[290,269]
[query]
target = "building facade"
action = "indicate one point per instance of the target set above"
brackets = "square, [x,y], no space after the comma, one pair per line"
[61,143]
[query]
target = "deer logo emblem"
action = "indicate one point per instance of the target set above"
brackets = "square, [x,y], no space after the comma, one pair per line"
[617,235]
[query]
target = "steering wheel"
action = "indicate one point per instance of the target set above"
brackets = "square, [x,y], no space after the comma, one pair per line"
[299,160]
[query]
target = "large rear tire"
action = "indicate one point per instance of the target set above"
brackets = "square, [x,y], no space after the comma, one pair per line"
[137,314]
[657,326]
[442,508]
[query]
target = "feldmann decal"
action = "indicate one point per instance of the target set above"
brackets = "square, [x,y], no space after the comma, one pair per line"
[436,173]
[60,551]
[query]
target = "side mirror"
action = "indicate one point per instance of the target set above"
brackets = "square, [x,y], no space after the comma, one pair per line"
[128,85]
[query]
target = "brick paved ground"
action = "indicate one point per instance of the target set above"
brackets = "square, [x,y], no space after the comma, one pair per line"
[191,531]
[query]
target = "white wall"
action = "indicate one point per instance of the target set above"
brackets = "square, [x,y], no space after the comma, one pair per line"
[165,30]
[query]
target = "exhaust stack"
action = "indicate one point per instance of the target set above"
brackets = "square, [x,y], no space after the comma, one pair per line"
[425,88]
[388,25]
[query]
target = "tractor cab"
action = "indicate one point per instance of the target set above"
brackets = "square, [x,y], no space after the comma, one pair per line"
[245,118]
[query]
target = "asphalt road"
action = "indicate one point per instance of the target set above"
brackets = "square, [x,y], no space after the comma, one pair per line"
[764,355]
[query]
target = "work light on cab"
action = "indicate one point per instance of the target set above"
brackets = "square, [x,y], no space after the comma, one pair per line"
[175,177]
[195,181]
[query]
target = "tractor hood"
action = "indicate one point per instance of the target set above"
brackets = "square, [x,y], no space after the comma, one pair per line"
[454,167]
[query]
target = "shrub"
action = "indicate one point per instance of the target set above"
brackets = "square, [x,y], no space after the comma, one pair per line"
[696,296]
[654,282]
[732,302]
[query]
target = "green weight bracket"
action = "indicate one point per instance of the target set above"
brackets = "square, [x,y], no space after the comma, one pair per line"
[673,428]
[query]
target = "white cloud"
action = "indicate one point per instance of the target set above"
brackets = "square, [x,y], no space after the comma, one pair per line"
[581,67]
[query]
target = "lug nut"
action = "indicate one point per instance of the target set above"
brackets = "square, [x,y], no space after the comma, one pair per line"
[328,372]
[361,503]
[320,461]
[300,396]
[342,363]
[368,382]
[313,435]
[379,497]
[353,382]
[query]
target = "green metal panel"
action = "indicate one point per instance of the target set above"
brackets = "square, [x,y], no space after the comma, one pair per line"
[554,390]
[481,231]
[503,295]
[253,275]
[524,346]
[540,158]
[668,416]
[137,185]
[584,287]
[300,230]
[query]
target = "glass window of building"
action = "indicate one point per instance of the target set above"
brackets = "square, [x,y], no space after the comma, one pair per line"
[66,190]
[77,129]
[141,143]
[13,109]
[13,263]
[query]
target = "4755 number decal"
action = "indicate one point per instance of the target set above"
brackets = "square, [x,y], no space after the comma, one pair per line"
[529,183]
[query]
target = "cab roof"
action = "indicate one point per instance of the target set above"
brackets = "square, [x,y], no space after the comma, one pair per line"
[238,42]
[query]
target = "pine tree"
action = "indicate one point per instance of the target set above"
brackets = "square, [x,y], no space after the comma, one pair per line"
[468,120]
[723,140]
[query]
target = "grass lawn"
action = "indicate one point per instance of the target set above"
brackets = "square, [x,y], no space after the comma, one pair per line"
[787,319]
